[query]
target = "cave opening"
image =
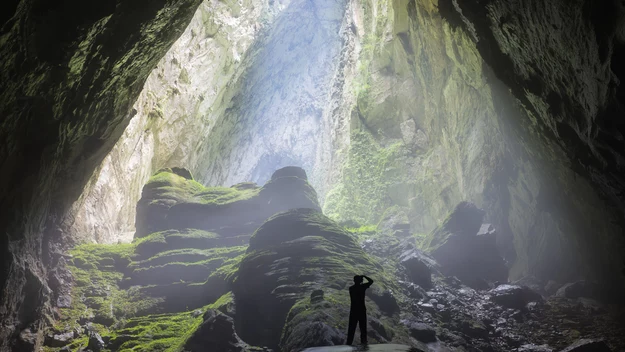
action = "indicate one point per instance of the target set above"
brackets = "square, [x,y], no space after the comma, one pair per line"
[214,173]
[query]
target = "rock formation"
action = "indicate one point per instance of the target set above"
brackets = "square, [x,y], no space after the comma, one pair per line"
[399,110]
[176,288]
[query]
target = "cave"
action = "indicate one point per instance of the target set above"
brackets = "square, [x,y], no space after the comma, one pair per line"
[199,175]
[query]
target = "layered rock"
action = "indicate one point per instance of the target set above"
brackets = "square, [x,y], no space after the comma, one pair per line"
[174,201]
[291,255]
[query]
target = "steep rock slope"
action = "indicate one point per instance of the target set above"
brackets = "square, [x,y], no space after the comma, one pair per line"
[176,111]
[71,72]
[279,112]
[433,126]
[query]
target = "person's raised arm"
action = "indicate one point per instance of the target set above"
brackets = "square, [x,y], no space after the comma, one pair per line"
[369,281]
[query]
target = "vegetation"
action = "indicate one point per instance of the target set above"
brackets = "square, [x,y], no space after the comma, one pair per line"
[362,196]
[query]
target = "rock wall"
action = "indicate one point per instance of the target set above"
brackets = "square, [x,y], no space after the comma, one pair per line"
[433,125]
[71,72]
[177,109]
[244,91]
[283,110]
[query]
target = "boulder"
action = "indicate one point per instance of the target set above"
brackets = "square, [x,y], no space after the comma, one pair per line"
[513,296]
[96,344]
[418,267]
[27,339]
[579,289]
[385,300]
[59,340]
[467,249]
[588,345]
[217,331]
[420,331]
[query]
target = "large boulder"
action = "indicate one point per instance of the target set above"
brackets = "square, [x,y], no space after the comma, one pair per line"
[513,296]
[579,289]
[292,255]
[173,200]
[418,267]
[217,333]
[466,248]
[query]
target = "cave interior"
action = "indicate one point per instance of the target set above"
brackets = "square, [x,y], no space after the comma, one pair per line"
[214,175]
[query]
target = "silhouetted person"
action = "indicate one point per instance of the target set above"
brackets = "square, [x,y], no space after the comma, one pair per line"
[358,311]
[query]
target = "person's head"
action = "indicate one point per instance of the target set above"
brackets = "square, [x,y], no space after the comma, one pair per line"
[358,279]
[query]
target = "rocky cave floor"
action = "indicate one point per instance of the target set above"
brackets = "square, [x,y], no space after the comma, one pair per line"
[213,267]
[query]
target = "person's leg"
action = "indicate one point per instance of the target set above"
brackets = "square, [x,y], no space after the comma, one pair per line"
[353,319]
[362,322]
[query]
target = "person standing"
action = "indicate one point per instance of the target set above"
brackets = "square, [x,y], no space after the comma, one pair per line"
[358,311]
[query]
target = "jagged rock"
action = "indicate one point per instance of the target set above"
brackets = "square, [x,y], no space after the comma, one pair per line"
[418,267]
[513,296]
[96,344]
[170,201]
[588,345]
[420,331]
[59,340]
[60,281]
[385,300]
[217,331]
[579,289]
[466,249]
[27,339]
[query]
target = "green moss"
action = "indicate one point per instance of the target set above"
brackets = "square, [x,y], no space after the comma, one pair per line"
[159,332]
[168,187]
[362,194]
[98,271]
[223,302]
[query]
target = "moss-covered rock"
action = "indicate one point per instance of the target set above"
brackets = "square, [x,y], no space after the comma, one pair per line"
[290,256]
[171,201]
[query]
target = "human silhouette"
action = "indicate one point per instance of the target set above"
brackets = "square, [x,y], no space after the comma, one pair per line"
[358,311]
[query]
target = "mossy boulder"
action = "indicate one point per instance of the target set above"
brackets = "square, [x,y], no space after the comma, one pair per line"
[466,249]
[216,331]
[291,255]
[171,201]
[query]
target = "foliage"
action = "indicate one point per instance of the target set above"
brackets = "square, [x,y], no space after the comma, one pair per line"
[369,171]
